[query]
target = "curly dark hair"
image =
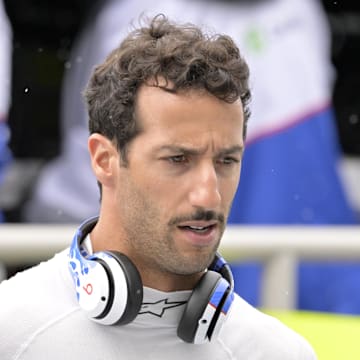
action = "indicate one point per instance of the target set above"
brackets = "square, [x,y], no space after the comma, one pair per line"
[183,55]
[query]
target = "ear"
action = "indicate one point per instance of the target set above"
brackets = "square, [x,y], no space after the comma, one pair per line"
[104,158]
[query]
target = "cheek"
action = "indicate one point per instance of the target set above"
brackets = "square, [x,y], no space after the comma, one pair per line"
[229,188]
[152,191]
[167,196]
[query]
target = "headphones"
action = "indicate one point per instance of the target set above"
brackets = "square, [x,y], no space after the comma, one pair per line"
[110,291]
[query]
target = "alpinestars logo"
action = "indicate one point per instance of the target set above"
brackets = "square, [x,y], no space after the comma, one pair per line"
[158,308]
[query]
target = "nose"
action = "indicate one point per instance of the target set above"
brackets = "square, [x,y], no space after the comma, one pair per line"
[204,191]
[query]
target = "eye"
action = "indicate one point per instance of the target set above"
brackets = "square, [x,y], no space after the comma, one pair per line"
[229,160]
[178,159]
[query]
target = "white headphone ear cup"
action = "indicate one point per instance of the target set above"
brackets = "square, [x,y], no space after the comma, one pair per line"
[92,285]
[125,292]
[133,289]
[196,306]
[108,285]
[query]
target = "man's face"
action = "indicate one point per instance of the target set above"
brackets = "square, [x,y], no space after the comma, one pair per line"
[175,194]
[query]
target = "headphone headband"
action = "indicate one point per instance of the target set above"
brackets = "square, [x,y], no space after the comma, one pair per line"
[110,291]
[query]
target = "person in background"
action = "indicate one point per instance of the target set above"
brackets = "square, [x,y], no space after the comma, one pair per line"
[291,173]
[5,81]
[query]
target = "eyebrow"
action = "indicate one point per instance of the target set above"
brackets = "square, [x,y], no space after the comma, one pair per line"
[191,151]
[236,149]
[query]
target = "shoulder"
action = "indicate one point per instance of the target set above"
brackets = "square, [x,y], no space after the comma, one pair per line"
[37,283]
[263,336]
[33,300]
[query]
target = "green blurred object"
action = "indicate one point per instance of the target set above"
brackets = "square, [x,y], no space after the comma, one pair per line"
[333,336]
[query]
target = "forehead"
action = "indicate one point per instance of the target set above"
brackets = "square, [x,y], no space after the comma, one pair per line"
[188,114]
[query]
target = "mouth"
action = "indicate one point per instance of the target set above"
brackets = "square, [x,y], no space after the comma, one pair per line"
[199,233]
[198,229]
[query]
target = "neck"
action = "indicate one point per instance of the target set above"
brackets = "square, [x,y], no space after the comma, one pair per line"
[167,282]
[105,237]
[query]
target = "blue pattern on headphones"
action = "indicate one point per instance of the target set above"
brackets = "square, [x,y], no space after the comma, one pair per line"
[77,256]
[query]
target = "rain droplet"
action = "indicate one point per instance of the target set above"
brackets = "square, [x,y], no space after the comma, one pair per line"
[67,65]
[40,49]
[26,90]
[79,59]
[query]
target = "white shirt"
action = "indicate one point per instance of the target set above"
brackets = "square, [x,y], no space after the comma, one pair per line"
[40,319]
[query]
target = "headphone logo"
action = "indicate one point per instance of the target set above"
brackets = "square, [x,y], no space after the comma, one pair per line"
[88,288]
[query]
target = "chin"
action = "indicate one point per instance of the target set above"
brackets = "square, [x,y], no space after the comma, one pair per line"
[195,264]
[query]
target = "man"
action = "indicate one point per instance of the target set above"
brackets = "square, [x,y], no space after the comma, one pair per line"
[291,164]
[167,115]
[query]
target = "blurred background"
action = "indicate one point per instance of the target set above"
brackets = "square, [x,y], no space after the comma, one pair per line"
[43,36]
[302,163]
